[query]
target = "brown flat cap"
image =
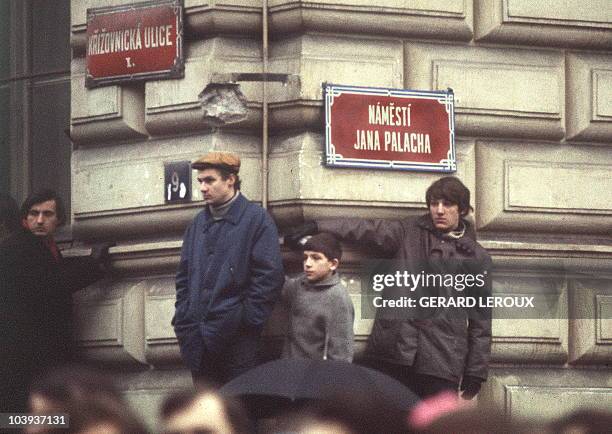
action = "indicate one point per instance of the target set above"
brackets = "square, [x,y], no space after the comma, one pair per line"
[224,160]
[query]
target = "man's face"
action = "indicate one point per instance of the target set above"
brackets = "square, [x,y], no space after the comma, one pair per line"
[42,219]
[317,266]
[215,190]
[444,214]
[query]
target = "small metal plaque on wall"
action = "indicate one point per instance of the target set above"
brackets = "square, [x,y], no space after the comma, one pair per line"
[177,185]
[134,42]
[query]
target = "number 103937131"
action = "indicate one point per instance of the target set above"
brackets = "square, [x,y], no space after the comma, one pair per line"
[20,420]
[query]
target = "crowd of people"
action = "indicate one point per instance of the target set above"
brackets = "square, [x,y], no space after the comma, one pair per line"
[230,277]
[95,406]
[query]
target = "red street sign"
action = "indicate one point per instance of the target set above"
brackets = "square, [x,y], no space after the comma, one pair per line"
[134,42]
[389,128]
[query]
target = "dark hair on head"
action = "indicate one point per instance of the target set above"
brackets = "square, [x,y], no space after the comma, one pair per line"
[325,243]
[74,382]
[43,196]
[225,173]
[89,396]
[9,213]
[451,189]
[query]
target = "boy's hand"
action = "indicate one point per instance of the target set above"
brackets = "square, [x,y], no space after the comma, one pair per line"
[293,237]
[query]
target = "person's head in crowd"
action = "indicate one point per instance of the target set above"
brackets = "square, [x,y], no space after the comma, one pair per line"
[322,254]
[203,412]
[448,200]
[218,176]
[88,397]
[9,216]
[104,417]
[587,421]
[345,413]
[43,212]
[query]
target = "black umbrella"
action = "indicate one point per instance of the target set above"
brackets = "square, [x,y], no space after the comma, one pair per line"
[311,379]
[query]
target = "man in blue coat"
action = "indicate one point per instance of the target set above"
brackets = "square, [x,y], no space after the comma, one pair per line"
[229,277]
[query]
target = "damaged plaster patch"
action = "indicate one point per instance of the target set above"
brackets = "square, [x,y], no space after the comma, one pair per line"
[223,103]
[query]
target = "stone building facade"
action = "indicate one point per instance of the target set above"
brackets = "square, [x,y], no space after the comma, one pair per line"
[533,88]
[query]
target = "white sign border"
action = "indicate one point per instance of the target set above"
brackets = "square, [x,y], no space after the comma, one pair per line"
[333,159]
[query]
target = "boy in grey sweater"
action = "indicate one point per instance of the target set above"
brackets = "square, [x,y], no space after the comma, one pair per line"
[321,313]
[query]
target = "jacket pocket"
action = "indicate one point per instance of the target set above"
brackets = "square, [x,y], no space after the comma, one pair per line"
[232,285]
[220,327]
[190,344]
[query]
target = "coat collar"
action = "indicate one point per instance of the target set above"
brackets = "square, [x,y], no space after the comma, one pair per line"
[330,280]
[425,222]
[47,245]
[234,213]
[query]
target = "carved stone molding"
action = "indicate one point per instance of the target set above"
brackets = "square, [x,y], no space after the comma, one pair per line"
[545,393]
[297,160]
[589,87]
[498,92]
[176,106]
[567,183]
[572,23]
[118,191]
[439,19]
[109,319]
[106,114]
[591,327]
[161,343]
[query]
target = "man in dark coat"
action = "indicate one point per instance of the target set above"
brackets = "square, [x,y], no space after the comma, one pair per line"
[36,286]
[229,276]
[449,347]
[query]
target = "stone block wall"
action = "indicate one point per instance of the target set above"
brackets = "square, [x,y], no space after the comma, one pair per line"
[533,87]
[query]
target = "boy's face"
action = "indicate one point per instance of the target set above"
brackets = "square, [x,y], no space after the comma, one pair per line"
[444,214]
[317,266]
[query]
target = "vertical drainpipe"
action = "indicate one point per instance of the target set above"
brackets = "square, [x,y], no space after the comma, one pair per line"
[264,106]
